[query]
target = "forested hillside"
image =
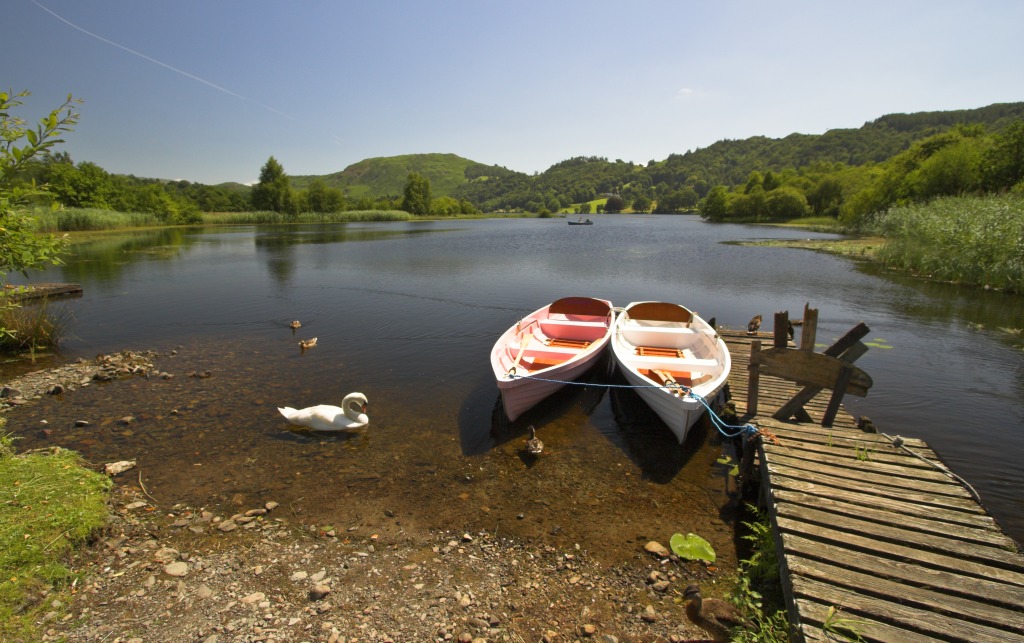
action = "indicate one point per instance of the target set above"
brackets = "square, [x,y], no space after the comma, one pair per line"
[729,162]
[386,176]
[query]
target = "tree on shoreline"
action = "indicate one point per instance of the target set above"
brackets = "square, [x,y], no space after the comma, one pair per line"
[416,199]
[274,191]
[21,247]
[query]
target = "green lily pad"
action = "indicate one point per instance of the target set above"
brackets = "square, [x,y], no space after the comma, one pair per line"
[692,547]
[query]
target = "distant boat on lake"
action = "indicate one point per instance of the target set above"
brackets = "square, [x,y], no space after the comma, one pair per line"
[581,222]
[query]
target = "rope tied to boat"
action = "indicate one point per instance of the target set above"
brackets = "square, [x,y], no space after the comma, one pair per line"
[727,430]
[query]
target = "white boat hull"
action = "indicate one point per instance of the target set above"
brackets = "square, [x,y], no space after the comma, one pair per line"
[647,349]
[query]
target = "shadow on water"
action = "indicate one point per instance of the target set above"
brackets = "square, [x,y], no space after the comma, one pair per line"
[585,393]
[645,438]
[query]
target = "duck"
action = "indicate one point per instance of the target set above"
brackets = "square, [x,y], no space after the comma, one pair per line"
[295,324]
[323,417]
[307,343]
[533,445]
[714,616]
[754,325]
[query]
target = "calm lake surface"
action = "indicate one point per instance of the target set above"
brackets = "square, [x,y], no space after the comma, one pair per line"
[406,313]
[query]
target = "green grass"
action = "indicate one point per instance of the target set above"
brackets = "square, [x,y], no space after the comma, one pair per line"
[970,240]
[48,503]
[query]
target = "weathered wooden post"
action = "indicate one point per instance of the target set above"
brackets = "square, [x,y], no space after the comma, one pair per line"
[755,378]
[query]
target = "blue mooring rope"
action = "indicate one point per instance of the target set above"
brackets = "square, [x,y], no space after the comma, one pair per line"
[727,430]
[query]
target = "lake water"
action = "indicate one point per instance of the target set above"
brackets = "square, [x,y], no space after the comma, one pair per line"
[406,313]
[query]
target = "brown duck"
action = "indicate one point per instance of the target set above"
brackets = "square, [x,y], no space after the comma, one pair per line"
[714,616]
[754,325]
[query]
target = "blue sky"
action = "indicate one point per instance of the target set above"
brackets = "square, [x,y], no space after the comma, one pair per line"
[207,90]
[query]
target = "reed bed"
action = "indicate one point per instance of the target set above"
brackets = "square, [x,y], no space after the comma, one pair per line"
[81,219]
[258,218]
[970,240]
[31,326]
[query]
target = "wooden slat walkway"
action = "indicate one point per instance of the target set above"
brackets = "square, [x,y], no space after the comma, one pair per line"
[901,548]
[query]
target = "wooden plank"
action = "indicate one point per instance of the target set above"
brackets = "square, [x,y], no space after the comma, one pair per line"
[847,341]
[849,459]
[880,449]
[858,476]
[838,390]
[908,595]
[840,437]
[981,536]
[887,491]
[1004,594]
[755,377]
[868,629]
[974,520]
[810,369]
[886,535]
[914,620]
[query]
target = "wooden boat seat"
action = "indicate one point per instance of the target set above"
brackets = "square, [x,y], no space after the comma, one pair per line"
[671,363]
[567,343]
[544,361]
[659,351]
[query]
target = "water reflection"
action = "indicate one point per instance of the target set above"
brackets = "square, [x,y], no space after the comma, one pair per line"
[108,257]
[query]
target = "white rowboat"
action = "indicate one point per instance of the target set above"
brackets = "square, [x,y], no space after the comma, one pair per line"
[671,355]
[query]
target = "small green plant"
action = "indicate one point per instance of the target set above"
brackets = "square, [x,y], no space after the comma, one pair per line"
[863,454]
[758,591]
[840,628]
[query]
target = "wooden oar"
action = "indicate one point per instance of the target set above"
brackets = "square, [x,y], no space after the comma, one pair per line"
[522,348]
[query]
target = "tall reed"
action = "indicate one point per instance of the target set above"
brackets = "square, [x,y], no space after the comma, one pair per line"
[80,219]
[31,326]
[258,218]
[970,240]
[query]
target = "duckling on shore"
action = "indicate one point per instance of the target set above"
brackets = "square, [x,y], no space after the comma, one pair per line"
[533,445]
[716,617]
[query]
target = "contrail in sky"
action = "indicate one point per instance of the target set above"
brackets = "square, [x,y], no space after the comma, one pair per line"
[162,64]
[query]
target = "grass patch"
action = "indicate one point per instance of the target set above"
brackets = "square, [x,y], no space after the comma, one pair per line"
[49,503]
[855,247]
[969,240]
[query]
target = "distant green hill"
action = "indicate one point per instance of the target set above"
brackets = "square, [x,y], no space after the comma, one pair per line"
[726,162]
[386,176]
[729,162]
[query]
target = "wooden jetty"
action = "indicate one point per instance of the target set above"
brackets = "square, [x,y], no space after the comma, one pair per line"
[877,539]
[40,291]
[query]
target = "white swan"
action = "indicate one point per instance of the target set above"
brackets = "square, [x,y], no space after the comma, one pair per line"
[350,415]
